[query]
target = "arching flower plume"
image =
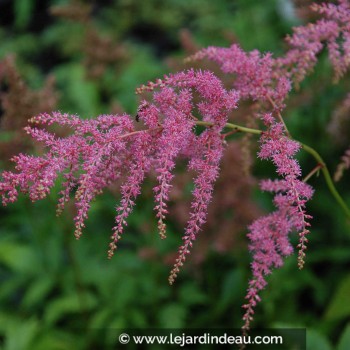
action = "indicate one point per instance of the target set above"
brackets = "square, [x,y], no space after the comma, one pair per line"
[206,164]
[109,148]
[332,31]
[214,105]
[253,72]
[264,77]
[269,235]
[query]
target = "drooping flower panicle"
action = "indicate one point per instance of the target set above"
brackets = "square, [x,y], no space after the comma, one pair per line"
[106,149]
[269,235]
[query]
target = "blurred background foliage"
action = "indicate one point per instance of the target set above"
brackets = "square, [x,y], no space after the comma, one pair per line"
[87,58]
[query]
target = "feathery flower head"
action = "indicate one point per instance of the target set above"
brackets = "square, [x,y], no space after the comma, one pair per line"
[109,148]
[269,235]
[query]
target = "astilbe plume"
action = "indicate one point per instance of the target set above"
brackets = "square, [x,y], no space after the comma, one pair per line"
[269,234]
[100,151]
[333,31]
[263,78]
[210,143]
[109,148]
[253,72]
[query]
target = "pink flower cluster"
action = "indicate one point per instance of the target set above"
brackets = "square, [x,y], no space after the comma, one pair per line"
[262,77]
[254,73]
[269,235]
[106,149]
[333,30]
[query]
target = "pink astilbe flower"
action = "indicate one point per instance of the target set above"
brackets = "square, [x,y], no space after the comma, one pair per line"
[177,130]
[205,151]
[214,104]
[263,77]
[253,72]
[269,234]
[141,150]
[100,164]
[109,148]
[307,41]
[206,163]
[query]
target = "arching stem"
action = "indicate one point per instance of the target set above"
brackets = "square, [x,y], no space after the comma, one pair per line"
[322,165]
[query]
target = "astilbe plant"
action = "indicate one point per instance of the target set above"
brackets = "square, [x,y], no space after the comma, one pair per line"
[185,119]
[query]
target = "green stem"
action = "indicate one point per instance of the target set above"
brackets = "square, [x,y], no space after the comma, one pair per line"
[232,126]
[308,149]
[328,178]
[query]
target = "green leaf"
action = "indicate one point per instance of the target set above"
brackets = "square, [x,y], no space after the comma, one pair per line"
[173,316]
[18,257]
[344,342]
[56,340]
[37,291]
[339,307]
[69,304]
[20,334]
[191,295]
[315,340]
[101,318]
[6,319]
[23,10]
[11,285]
[137,318]
[78,92]
[232,285]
